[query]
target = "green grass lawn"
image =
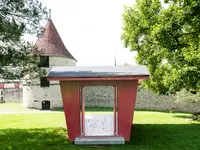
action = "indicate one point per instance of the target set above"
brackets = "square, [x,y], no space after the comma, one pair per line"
[15,107]
[46,131]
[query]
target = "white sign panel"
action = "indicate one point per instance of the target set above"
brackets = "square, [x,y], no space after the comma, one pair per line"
[99,124]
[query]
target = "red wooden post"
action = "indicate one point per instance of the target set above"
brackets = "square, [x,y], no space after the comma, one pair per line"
[71,103]
[126,102]
[83,110]
[115,110]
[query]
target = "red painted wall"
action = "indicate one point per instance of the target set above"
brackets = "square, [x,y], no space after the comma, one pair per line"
[126,94]
[71,103]
[1,85]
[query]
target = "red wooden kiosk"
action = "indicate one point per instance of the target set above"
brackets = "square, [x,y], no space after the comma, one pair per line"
[124,79]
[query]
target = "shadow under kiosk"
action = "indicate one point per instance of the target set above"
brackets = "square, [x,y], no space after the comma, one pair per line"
[99,128]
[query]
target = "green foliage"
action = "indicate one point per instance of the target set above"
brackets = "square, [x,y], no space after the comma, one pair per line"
[126,64]
[166,37]
[17,18]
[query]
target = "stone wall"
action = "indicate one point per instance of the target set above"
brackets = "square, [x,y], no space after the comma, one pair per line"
[1,95]
[103,96]
[146,99]
[99,96]
[12,95]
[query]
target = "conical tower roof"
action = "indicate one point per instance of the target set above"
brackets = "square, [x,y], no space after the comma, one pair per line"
[51,44]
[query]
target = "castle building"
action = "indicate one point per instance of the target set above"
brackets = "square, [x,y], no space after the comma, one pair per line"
[41,93]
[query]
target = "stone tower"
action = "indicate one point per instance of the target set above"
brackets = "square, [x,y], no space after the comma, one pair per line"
[41,93]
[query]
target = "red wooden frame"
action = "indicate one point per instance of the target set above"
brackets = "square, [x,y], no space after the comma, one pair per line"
[125,90]
[83,110]
[115,101]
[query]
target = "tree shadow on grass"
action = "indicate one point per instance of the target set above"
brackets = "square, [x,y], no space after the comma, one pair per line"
[39,138]
[58,109]
[143,137]
[165,136]
[189,117]
[183,116]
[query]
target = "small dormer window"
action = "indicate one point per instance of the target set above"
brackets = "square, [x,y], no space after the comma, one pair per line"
[44,61]
[44,82]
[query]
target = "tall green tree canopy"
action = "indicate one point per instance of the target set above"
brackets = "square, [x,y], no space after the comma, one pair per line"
[166,36]
[19,18]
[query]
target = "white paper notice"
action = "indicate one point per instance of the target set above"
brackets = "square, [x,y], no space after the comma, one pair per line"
[99,124]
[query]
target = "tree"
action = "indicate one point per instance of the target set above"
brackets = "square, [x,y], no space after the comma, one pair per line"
[18,18]
[166,37]
[126,64]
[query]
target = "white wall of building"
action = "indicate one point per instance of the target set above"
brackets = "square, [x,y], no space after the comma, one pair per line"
[33,94]
[61,61]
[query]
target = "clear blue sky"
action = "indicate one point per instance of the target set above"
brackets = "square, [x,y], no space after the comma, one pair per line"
[91,29]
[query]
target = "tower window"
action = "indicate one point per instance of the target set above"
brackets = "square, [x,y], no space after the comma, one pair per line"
[44,82]
[44,61]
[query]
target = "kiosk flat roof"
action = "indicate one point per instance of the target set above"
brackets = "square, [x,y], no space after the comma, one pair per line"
[97,72]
